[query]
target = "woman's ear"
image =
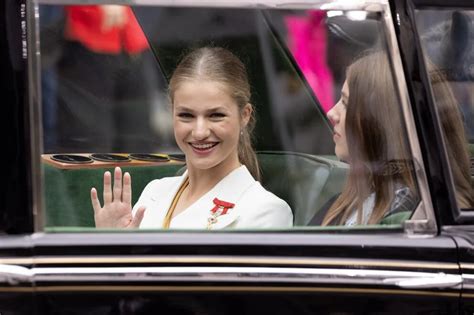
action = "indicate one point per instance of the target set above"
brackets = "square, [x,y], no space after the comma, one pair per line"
[246,113]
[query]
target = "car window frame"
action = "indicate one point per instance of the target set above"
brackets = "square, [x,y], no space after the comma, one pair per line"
[423,221]
[431,139]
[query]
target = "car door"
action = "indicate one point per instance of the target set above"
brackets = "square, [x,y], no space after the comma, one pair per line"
[451,53]
[54,257]
[17,216]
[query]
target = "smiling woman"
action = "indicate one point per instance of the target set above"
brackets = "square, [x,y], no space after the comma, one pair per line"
[213,122]
[208,125]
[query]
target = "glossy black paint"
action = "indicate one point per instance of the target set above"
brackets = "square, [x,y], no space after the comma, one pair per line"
[15,196]
[184,297]
[382,245]
[17,297]
[442,4]
[243,303]
[464,238]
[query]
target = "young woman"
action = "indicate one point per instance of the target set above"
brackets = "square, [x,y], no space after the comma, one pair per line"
[369,135]
[213,121]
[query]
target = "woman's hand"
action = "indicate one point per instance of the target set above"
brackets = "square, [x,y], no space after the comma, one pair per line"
[117,209]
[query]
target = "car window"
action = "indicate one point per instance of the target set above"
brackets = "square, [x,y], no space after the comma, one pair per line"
[330,136]
[447,41]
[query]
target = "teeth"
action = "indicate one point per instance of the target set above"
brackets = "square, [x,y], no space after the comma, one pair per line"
[203,146]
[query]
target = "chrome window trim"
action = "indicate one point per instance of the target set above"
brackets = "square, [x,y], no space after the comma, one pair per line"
[35,114]
[423,221]
[273,4]
[400,279]
[282,261]
[468,281]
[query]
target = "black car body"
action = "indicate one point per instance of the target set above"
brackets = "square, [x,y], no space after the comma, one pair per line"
[53,261]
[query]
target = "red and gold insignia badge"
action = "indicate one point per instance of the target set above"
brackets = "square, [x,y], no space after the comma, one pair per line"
[221,207]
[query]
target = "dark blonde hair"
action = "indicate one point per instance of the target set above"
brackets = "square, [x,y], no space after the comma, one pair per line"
[379,154]
[454,136]
[220,65]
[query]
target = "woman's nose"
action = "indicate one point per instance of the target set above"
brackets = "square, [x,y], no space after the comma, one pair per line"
[201,129]
[333,116]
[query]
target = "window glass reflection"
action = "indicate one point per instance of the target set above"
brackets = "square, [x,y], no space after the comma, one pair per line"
[108,102]
[446,37]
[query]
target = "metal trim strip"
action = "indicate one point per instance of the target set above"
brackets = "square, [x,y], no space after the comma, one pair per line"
[283,4]
[426,205]
[38,261]
[239,289]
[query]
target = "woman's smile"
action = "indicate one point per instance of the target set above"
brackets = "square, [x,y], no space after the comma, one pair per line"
[203,148]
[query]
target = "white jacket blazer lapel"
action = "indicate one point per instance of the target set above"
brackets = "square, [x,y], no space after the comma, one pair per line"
[229,189]
[157,198]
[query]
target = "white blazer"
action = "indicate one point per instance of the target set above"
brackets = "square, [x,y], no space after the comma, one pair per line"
[255,207]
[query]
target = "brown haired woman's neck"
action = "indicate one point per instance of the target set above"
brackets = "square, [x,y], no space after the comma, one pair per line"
[203,180]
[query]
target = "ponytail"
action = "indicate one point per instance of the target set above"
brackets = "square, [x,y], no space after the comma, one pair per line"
[247,155]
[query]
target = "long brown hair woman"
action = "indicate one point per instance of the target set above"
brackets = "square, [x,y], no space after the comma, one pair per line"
[369,135]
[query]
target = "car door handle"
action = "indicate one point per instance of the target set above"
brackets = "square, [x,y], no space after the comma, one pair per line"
[438,281]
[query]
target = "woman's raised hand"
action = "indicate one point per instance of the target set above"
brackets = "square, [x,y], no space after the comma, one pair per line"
[117,209]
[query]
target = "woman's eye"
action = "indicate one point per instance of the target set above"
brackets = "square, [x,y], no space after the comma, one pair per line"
[217,115]
[185,115]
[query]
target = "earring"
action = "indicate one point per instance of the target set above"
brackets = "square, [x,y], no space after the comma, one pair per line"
[241,133]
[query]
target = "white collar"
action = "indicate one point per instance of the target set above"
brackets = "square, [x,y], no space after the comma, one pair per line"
[229,189]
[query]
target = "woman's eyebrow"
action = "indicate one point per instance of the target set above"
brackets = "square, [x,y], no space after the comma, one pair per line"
[344,95]
[217,109]
[183,108]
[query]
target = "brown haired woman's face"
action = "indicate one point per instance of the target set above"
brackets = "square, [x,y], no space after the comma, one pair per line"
[207,124]
[337,116]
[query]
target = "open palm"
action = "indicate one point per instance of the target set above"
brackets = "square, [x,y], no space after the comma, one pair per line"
[117,209]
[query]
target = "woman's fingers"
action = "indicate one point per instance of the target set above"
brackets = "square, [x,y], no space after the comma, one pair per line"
[137,219]
[117,202]
[95,201]
[107,188]
[118,184]
[127,188]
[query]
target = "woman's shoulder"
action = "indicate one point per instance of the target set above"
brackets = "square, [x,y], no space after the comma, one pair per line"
[162,183]
[261,200]
[241,184]
[261,208]
[259,194]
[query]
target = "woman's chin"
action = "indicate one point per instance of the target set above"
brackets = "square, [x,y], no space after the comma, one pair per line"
[342,156]
[202,164]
